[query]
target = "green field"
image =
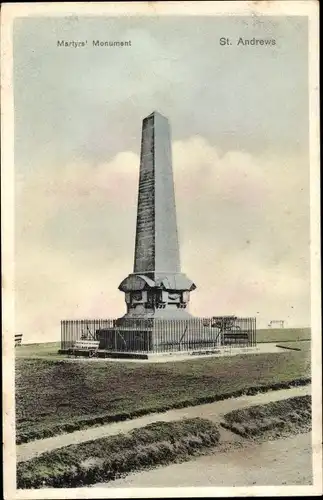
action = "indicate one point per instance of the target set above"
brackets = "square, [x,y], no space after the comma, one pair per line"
[61,396]
[47,350]
[302,345]
[283,334]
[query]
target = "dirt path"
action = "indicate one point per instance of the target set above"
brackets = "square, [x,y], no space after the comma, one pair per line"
[211,411]
[272,463]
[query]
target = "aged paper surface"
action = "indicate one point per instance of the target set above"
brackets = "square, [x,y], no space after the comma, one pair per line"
[238,82]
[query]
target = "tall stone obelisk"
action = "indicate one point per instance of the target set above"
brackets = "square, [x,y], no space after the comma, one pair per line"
[156,288]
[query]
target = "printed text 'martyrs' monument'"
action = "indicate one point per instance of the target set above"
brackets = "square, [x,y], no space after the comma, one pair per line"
[156,288]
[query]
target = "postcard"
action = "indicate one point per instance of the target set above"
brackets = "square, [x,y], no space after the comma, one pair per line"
[161,249]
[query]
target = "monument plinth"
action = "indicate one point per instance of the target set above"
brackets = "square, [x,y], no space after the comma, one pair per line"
[156,288]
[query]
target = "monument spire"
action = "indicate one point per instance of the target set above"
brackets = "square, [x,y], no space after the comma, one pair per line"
[156,288]
[156,246]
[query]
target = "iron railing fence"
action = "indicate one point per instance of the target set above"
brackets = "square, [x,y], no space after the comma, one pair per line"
[159,335]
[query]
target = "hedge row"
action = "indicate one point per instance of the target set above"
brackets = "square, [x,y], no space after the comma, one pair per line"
[105,459]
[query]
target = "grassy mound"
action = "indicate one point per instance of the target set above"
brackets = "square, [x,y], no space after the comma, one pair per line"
[278,418]
[105,459]
[55,397]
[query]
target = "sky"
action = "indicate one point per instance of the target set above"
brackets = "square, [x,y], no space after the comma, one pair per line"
[239,119]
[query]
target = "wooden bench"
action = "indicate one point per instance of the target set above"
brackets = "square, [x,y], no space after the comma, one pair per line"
[90,346]
[18,339]
[235,338]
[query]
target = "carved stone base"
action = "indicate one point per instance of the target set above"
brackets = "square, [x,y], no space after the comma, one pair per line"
[157,295]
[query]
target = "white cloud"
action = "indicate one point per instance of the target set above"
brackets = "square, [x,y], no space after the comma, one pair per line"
[243,224]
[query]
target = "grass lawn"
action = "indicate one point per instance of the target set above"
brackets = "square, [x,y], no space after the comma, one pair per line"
[283,334]
[302,345]
[47,350]
[55,396]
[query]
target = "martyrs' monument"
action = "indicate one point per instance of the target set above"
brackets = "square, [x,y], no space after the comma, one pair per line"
[157,293]
[157,288]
